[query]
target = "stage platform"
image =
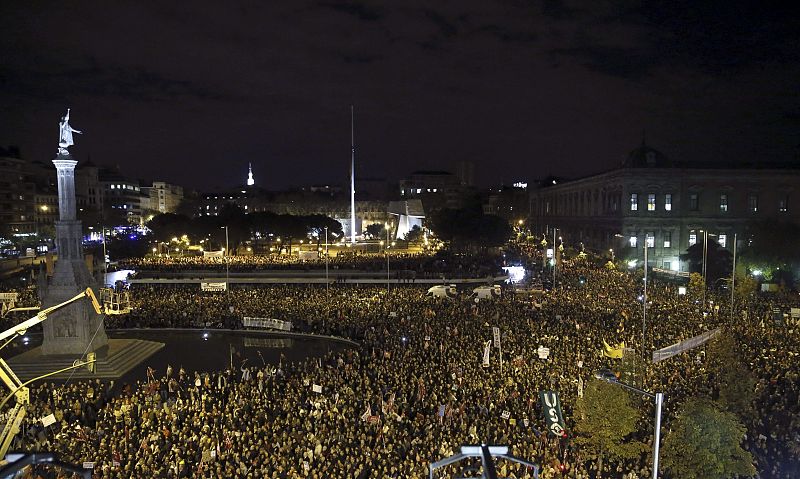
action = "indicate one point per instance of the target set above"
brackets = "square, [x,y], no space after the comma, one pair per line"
[113,361]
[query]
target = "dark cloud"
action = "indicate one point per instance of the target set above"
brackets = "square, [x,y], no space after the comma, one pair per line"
[358,10]
[523,89]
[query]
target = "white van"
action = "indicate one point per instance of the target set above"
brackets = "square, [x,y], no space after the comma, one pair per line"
[487,292]
[443,291]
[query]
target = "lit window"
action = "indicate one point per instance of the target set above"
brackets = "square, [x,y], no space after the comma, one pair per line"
[434,190]
[112,187]
[419,190]
[667,239]
[632,241]
[634,201]
[752,203]
[668,202]
[651,202]
[723,240]
[723,203]
[692,239]
[651,240]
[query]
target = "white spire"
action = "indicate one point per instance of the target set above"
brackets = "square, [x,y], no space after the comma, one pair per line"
[250,180]
[352,180]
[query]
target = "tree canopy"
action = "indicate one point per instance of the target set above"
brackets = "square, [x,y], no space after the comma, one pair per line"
[718,260]
[605,419]
[704,442]
[469,228]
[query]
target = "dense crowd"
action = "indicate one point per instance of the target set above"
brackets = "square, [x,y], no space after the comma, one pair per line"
[415,265]
[418,380]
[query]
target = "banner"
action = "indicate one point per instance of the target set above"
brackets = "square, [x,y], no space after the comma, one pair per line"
[213,287]
[48,420]
[551,406]
[486,349]
[496,334]
[615,352]
[543,352]
[682,346]
[276,343]
[317,388]
[266,323]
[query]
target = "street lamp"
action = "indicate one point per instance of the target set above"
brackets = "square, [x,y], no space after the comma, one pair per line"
[327,283]
[659,398]
[386,227]
[227,263]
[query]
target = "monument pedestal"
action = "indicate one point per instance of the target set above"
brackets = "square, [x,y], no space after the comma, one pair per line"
[75,329]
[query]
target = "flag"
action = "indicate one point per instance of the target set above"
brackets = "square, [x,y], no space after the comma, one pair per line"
[615,352]
[486,351]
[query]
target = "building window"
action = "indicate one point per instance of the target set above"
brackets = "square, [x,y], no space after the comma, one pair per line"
[723,203]
[783,204]
[634,202]
[651,202]
[632,241]
[668,265]
[694,202]
[723,240]
[752,203]
[650,239]
[668,202]
[668,239]
[692,239]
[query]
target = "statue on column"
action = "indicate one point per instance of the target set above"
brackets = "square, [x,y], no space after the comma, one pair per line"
[65,135]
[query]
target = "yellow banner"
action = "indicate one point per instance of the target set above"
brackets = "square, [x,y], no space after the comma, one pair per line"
[613,352]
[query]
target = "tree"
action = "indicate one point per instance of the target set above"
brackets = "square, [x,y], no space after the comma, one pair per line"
[718,260]
[704,442]
[696,286]
[604,420]
[469,228]
[376,231]
[169,225]
[772,248]
[734,382]
[414,234]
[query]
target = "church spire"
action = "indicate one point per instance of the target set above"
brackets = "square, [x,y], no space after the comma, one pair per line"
[250,180]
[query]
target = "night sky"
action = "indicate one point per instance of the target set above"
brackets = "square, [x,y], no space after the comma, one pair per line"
[190,94]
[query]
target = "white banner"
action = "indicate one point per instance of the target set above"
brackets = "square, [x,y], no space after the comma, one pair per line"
[486,349]
[48,420]
[88,465]
[12,297]
[266,323]
[496,333]
[213,287]
[317,388]
[543,352]
[682,346]
[505,415]
[795,313]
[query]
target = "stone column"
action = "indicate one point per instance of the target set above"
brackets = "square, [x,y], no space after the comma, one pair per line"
[74,329]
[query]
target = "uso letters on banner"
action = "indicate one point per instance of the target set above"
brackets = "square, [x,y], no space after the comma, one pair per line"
[551,406]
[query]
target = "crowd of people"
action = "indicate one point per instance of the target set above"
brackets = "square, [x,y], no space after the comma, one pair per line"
[418,265]
[415,388]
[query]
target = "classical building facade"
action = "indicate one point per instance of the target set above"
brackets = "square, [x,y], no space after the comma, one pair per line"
[664,204]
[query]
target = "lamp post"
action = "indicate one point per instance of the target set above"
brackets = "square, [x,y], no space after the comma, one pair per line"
[705,253]
[733,276]
[644,303]
[386,225]
[659,399]
[327,283]
[227,263]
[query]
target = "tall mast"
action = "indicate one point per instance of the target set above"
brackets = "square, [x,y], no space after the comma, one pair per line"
[352,179]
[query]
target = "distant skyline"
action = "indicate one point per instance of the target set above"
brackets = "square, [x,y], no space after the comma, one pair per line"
[193,94]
